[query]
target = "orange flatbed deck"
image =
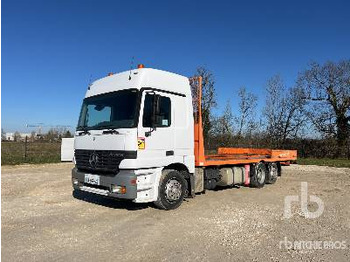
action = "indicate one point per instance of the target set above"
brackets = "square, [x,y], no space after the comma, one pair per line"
[235,156]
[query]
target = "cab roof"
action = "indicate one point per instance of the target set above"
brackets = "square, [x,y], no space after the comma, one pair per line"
[141,78]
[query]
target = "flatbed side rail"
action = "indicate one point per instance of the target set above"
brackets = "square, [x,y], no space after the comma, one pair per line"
[272,153]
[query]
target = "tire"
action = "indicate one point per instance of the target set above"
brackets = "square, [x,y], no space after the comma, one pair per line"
[258,175]
[172,190]
[279,169]
[272,173]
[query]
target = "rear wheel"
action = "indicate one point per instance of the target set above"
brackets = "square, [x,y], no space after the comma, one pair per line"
[272,173]
[258,175]
[172,189]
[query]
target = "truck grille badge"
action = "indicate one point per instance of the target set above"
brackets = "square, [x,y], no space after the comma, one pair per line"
[93,160]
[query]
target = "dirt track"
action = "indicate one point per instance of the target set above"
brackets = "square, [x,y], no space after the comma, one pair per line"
[42,221]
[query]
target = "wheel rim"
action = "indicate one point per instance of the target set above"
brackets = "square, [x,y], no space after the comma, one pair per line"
[260,175]
[173,190]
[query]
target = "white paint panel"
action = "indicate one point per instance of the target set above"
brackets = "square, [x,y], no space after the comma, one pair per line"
[67,149]
[146,77]
[96,140]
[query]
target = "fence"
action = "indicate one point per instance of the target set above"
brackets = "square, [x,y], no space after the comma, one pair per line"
[13,153]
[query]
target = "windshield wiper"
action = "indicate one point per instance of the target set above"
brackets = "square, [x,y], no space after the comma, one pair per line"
[111,131]
[84,131]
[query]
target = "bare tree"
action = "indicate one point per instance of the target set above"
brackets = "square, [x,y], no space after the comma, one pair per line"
[247,105]
[208,99]
[57,133]
[32,136]
[223,125]
[16,136]
[67,134]
[328,92]
[3,135]
[52,134]
[283,111]
[222,132]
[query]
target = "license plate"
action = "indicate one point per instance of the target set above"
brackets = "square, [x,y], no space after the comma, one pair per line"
[92,179]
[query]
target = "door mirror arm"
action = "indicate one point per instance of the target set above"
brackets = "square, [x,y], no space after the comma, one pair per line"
[149,133]
[155,113]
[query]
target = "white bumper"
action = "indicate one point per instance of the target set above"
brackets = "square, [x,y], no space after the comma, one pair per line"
[147,184]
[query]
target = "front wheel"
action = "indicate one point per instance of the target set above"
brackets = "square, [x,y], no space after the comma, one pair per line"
[172,189]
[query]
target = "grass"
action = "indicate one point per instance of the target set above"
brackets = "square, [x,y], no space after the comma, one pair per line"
[324,162]
[12,153]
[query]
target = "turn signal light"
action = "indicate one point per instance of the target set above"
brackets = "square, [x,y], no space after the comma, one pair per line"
[139,66]
[123,190]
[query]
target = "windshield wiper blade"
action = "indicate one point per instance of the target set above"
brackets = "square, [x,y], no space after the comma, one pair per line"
[84,131]
[111,131]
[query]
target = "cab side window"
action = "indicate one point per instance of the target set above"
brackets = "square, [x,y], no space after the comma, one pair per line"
[163,119]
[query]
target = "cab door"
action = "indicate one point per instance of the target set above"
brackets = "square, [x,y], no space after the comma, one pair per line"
[156,131]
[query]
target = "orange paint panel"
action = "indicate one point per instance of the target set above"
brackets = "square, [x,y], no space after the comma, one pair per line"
[239,150]
[292,154]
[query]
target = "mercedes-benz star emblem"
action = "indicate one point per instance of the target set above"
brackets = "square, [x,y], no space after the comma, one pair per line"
[93,160]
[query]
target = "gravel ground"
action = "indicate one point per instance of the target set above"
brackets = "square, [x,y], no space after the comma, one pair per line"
[42,221]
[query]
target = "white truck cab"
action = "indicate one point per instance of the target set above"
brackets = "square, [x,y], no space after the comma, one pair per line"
[132,126]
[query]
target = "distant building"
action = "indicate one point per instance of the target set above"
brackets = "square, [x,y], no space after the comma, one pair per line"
[9,136]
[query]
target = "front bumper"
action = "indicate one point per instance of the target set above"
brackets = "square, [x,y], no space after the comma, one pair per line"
[124,178]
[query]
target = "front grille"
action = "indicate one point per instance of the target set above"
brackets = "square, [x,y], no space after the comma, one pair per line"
[102,161]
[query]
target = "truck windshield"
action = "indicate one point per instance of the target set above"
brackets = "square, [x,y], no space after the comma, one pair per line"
[112,110]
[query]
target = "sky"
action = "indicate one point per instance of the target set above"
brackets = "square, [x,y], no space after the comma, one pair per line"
[51,50]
